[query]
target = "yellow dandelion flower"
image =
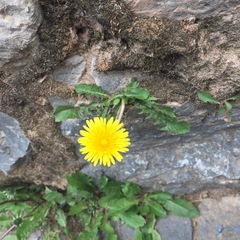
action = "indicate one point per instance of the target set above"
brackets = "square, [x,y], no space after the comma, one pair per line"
[102,140]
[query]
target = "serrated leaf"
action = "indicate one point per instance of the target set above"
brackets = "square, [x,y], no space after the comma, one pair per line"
[144,209]
[77,208]
[86,218]
[181,207]
[103,182]
[156,235]
[112,188]
[91,90]
[81,183]
[65,112]
[157,209]
[5,221]
[116,205]
[116,101]
[178,127]
[132,219]
[54,197]
[221,110]
[235,98]
[25,229]
[109,230]
[161,197]
[207,97]
[138,235]
[132,84]
[149,227]
[150,98]
[61,218]
[90,234]
[228,106]
[167,111]
[130,189]
[138,93]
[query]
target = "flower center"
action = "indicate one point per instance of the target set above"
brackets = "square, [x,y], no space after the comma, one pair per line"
[103,142]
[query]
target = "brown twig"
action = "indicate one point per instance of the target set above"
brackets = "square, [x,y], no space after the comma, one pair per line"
[8,231]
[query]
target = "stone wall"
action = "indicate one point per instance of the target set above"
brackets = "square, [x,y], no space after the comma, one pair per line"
[174,48]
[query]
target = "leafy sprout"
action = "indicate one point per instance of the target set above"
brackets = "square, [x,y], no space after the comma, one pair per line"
[104,104]
[225,106]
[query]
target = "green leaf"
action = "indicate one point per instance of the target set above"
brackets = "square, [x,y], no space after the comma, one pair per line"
[161,197]
[132,219]
[65,112]
[178,127]
[86,218]
[157,209]
[116,205]
[167,111]
[5,221]
[88,234]
[109,230]
[130,189]
[221,110]
[138,93]
[149,227]
[91,90]
[181,207]
[144,209]
[54,197]
[116,101]
[61,218]
[206,97]
[80,184]
[103,182]
[78,208]
[112,188]
[228,106]
[138,235]
[235,98]
[26,228]
[155,235]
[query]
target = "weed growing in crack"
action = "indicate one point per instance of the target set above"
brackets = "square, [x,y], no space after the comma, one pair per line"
[225,106]
[92,208]
[106,105]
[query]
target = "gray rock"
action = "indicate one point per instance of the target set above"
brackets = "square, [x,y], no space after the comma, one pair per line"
[70,71]
[19,22]
[13,143]
[113,81]
[170,228]
[206,157]
[184,9]
[219,219]
[174,228]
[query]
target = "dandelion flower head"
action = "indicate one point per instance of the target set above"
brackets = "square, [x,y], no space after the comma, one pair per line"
[103,140]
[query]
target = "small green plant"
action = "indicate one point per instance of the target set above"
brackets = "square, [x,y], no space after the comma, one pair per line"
[225,106]
[92,208]
[104,104]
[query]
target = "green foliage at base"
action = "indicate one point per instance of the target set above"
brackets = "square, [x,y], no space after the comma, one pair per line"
[104,104]
[92,208]
[225,107]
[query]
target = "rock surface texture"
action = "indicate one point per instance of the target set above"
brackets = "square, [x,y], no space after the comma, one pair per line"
[19,22]
[176,163]
[13,143]
[183,9]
